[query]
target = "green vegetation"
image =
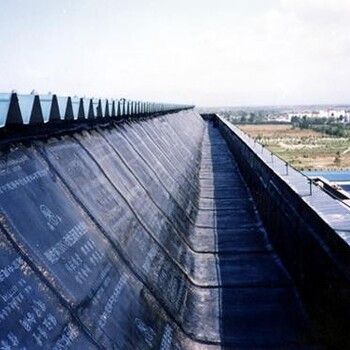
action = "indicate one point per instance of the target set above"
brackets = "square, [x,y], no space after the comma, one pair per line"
[330,126]
[246,117]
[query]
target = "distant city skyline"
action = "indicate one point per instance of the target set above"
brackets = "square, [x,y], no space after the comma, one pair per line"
[209,53]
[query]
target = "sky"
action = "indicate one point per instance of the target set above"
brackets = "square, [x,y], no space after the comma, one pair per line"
[203,52]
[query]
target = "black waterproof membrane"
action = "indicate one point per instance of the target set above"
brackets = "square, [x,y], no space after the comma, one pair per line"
[31,315]
[141,235]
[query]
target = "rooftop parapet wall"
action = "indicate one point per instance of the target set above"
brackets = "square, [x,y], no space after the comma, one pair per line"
[309,229]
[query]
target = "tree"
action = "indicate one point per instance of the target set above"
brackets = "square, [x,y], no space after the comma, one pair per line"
[337,159]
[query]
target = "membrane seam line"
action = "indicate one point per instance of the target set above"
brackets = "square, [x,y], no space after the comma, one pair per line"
[179,233]
[168,160]
[191,281]
[130,268]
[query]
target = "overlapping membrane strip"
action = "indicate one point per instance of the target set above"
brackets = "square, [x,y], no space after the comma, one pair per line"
[139,235]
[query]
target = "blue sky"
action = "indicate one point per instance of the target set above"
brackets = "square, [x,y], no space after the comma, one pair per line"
[223,52]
